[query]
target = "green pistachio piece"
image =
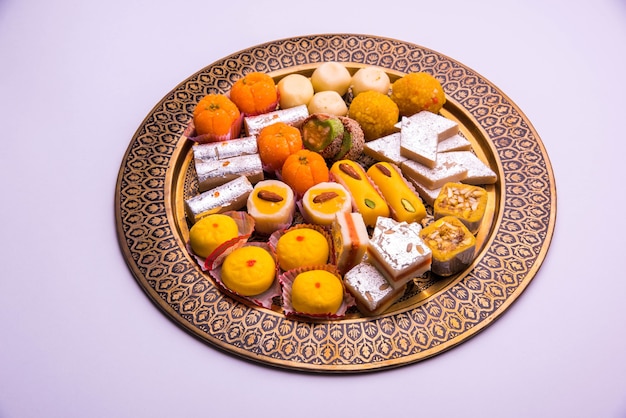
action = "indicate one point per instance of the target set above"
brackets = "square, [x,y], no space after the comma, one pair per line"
[320,131]
[407,205]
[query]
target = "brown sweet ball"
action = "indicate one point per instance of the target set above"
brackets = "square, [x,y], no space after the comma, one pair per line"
[357,138]
[416,92]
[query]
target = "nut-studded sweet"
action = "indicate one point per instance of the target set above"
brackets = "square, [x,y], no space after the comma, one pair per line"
[452,244]
[465,201]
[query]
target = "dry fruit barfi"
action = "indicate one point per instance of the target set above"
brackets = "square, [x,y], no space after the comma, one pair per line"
[452,245]
[371,290]
[398,251]
[465,201]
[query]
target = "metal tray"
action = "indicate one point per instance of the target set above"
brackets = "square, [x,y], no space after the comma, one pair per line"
[434,315]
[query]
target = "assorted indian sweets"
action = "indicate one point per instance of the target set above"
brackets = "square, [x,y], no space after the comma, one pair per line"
[313,191]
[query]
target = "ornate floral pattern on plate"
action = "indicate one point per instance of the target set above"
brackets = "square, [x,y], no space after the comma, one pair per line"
[434,316]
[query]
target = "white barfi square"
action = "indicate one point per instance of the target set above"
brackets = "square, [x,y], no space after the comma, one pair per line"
[454,143]
[421,134]
[427,195]
[444,127]
[418,144]
[385,149]
[371,290]
[477,171]
[443,172]
[398,252]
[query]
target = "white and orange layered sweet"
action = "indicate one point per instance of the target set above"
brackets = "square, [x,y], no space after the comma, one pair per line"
[403,200]
[350,240]
[398,251]
[366,199]
[272,206]
[323,201]
[371,290]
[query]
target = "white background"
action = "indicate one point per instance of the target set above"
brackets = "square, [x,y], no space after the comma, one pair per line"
[78,336]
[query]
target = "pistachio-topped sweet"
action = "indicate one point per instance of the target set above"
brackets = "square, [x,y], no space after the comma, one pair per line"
[365,197]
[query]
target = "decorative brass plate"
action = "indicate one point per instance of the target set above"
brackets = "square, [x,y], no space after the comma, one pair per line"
[435,315]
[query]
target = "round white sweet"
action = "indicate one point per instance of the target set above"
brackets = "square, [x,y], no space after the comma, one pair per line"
[331,76]
[370,78]
[294,90]
[328,102]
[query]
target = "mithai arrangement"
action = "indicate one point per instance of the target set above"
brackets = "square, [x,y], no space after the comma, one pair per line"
[330,192]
